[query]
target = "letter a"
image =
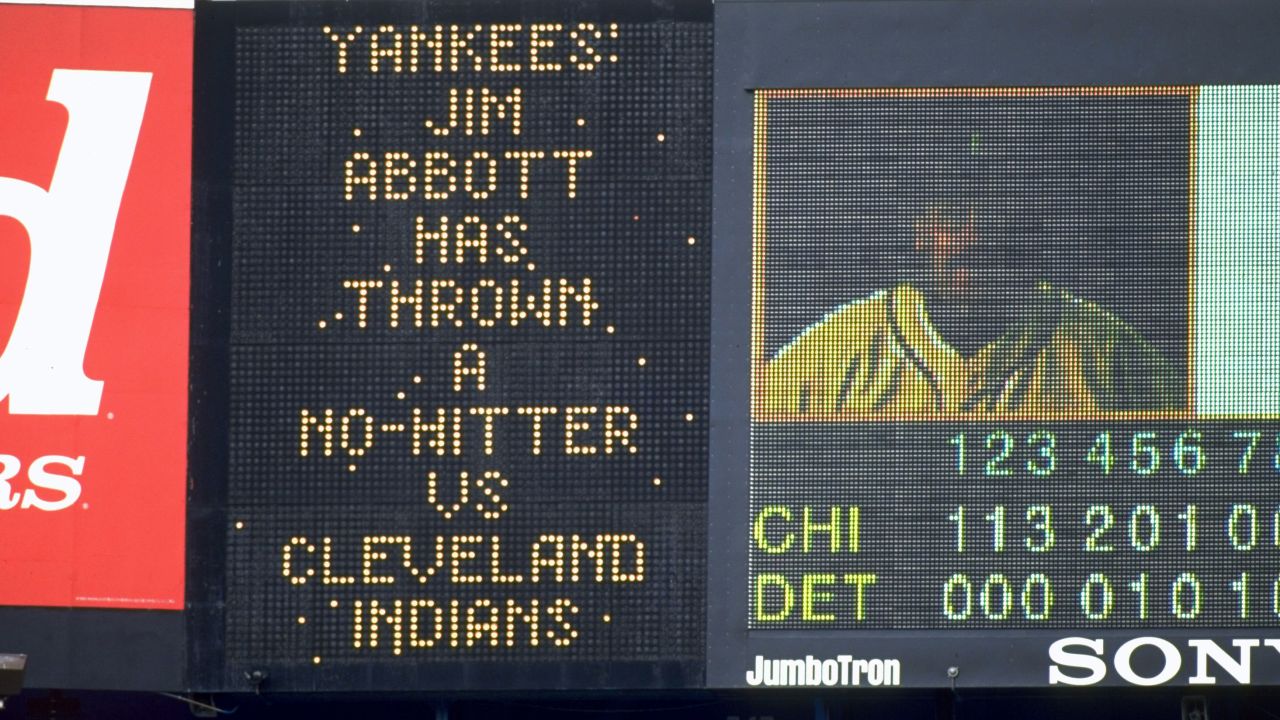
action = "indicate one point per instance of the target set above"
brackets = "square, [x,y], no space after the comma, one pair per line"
[70,227]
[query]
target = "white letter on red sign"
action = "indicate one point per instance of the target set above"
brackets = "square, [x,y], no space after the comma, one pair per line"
[70,227]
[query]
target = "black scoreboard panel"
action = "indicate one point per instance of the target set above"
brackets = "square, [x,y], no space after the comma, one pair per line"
[468,300]
[985,374]
[997,397]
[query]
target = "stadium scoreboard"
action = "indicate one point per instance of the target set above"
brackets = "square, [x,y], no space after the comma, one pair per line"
[979,387]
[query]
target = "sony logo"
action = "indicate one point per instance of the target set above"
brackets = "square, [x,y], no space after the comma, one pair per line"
[1086,658]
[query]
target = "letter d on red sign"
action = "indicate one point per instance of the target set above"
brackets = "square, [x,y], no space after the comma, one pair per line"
[70,227]
[95,267]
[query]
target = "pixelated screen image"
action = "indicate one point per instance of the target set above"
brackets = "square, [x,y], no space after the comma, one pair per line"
[990,330]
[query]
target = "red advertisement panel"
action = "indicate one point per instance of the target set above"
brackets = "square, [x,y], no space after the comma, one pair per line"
[95,148]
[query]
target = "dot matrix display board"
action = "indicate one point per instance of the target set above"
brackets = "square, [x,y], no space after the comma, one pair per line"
[468,314]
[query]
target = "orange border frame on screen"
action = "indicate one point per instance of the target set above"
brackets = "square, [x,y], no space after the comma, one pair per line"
[758,187]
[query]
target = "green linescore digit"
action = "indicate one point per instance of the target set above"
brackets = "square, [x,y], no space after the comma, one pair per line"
[1045,461]
[1001,446]
[1246,454]
[1188,453]
[995,465]
[1100,453]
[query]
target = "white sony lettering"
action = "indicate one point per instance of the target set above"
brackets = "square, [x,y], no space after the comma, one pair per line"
[70,227]
[1123,661]
[1059,654]
[1239,669]
[1239,666]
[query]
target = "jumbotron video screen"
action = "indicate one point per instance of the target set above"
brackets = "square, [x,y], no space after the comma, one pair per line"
[1014,358]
